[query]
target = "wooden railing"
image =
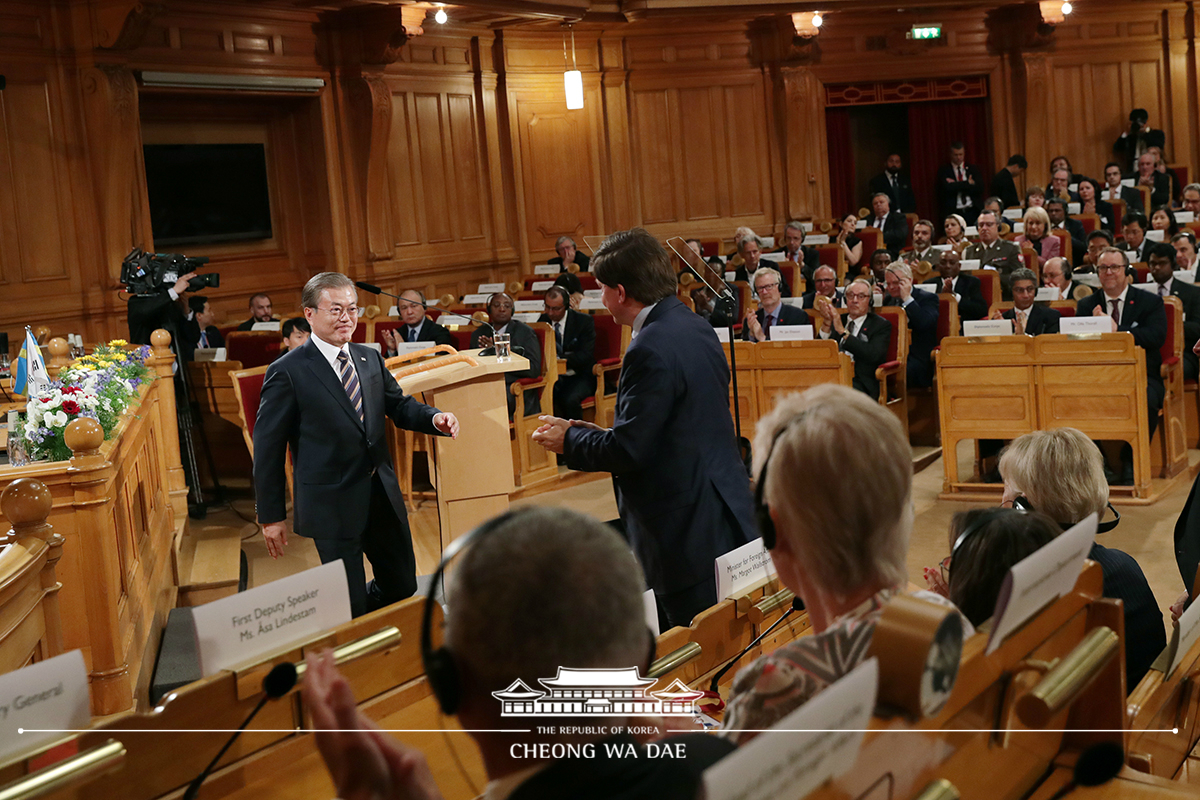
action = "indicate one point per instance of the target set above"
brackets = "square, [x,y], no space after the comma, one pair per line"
[30,622]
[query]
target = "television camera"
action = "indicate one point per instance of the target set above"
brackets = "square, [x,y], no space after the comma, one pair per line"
[145,273]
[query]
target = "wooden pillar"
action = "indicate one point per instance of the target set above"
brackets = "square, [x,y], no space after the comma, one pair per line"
[1037,100]
[60,356]
[1181,146]
[162,363]
[801,105]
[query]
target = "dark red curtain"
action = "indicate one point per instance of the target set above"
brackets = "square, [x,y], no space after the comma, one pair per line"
[841,161]
[932,126]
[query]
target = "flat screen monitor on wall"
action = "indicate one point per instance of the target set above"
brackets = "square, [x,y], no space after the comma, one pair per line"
[207,193]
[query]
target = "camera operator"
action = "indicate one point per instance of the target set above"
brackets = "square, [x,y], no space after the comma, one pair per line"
[159,309]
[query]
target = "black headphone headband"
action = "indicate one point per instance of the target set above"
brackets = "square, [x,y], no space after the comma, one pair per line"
[762,512]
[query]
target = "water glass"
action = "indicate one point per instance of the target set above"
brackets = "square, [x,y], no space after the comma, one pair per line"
[502,341]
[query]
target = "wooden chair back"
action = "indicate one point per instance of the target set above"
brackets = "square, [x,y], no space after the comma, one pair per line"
[1065,237]
[258,348]
[948,320]
[989,281]
[872,239]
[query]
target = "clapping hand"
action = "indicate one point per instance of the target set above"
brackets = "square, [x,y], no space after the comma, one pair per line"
[389,340]
[1099,311]
[752,325]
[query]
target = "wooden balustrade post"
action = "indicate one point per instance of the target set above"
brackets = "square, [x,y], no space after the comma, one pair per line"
[162,361]
[26,502]
[93,479]
[60,356]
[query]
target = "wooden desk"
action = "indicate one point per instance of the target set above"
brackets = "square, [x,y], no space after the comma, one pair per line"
[213,389]
[767,370]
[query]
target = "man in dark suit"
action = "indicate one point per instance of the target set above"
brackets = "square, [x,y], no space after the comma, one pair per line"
[681,487]
[587,589]
[1138,139]
[260,311]
[198,330]
[959,186]
[1004,183]
[1191,198]
[568,253]
[416,328]
[967,289]
[1133,227]
[864,334]
[1056,209]
[1161,258]
[575,341]
[825,283]
[895,186]
[326,402]
[1027,317]
[1148,174]
[793,250]
[992,251]
[523,341]
[1060,187]
[772,310]
[921,307]
[1115,190]
[750,249]
[1056,274]
[892,223]
[1138,312]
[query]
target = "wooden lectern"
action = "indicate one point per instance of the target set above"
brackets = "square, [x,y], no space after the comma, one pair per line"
[473,473]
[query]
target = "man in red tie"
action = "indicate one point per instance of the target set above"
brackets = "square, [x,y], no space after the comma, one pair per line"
[771,308]
[960,186]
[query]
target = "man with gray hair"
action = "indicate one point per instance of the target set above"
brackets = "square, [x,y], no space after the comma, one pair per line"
[538,594]
[1191,199]
[568,254]
[921,308]
[793,249]
[326,402]
[750,249]
[772,310]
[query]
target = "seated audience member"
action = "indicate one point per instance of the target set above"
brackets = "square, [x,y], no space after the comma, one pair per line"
[921,307]
[793,249]
[863,334]
[825,284]
[892,223]
[1034,196]
[1037,235]
[1147,174]
[993,252]
[1097,240]
[772,310]
[1060,183]
[1163,219]
[741,233]
[1004,184]
[523,341]
[1060,473]
[1160,164]
[955,228]
[875,268]
[922,249]
[750,249]
[295,333]
[198,330]
[852,247]
[1028,318]
[1191,199]
[1090,202]
[840,545]
[568,254]
[1062,162]
[1134,227]
[1162,272]
[967,289]
[570,281]
[1115,190]
[416,328]
[260,311]
[894,185]
[995,205]
[586,588]
[1056,273]
[1057,211]
[1185,250]
[575,340]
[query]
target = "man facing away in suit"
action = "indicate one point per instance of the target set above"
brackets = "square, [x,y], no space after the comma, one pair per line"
[681,487]
[895,186]
[1161,258]
[1027,317]
[921,308]
[575,342]
[863,334]
[417,327]
[771,310]
[326,401]
[1004,184]
[587,589]
[967,289]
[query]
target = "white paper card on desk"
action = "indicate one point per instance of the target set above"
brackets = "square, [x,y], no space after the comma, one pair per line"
[877,300]
[1100,324]
[741,567]
[1073,208]
[491,288]
[971,231]
[1186,275]
[1183,637]
[1127,182]
[376,346]
[651,607]
[393,312]
[404,348]
[235,630]
[944,248]
[50,696]
[815,743]
[595,294]
[591,304]
[209,354]
[722,334]
[1018,227]
[858,226]
[1011,213]
[987,327]
[1184,217]
[1150,287]
[1046,294]
[791,333]
[1041,577]
[798,302]
[540,286]
[731,275]
[776,257]
[768,241]
[529,305]
[433,301]
[547,269]
[817,238]
[806,226]
[1087,279]
[475,299]
[528,316]
[968,264]
[1155,235]
[273,325]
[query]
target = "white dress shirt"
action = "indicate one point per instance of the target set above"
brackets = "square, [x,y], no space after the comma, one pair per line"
[330,353]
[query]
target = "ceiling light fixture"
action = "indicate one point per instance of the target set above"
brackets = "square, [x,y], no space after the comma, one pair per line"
[572,78]
[440,17]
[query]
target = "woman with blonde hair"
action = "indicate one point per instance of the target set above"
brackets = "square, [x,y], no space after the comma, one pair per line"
[1037,235]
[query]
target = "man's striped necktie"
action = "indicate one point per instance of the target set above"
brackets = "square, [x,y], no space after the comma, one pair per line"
[350,383]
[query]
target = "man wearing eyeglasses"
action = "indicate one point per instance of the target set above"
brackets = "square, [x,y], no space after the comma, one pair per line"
[772,310]
[524,342]
[326,402]
[825,283]
[863,334]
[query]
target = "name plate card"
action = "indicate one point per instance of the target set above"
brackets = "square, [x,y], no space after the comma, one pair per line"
[1183,637]
[1074,208]
[1150,287]
[540,286]
[1089,279]
[1012,213]
[741,567]
[376,346]
[858,226]
[776,257]
[1155,235]
[768,241]
[1184,217]
[987,327]
[529,305]
[817,238]
[1041,577]
[1185,275]
[798,302]
[1018,227]
[971,230]
[209,354]
[1128,182]
[1085,324]
[475,299]
[269,618]
[791,333]
[593,293]
[547,269]
[731,275]
[877,300]
[806,226]
[722,334]
[404,348]
[393,312]
[40,702]
[1046,294]
[527,316]
[273,325]
[591,304]
[491,288]
[944,248]
[817,742]
[968,264]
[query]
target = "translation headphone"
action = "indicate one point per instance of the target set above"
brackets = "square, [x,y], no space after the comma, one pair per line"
[762,511]
[989,516]
[1022,502]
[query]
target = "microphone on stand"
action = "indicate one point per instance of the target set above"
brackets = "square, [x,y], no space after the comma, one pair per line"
[278,682]
[797,605]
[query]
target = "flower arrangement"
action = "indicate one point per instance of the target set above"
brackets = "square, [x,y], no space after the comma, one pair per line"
[100,386]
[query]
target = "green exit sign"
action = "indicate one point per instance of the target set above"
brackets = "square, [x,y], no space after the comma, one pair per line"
[926,32]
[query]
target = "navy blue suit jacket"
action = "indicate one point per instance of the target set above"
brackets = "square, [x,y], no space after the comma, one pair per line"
[1144,317]
[922,321]
[1041,320]
[682,491]
[787,314]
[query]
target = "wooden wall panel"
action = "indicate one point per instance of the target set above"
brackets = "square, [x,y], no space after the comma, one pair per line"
[745,141]
[468,177]
[702,161]
[655,134]
[436,189]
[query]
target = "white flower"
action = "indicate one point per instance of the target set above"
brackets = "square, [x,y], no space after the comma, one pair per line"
[56,419]
[33,415]
[107,404]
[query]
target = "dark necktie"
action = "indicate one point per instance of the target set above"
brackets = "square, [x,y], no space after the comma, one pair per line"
[1116,311]
[558,338]
[350,383]
[412,334]
[767,320]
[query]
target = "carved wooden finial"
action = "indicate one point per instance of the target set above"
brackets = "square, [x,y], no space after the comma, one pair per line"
[26,502]
[515,287]
[60,355]
[84,436]
[447,299]
[162,343]
[41,333]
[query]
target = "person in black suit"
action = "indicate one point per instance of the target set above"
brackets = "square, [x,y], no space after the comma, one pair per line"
[587,589]
[523,341]
[1056,274]
[1056,210]
[326,403]
[198,330]
[1184,243]
[1161,258]
[1138,139]
[1027,317]
[1134,227]
[824,283]
[681,487]
[568,253]
[575,340]
[1138,312]
[1090,202]
[959,186]
[863,334]
[260,311]
[921,307]
[1060,187]
[1004,183]
[967,289]
[750,249]
[793,250]
[1115,190]
[1148,174]
[895,186]
[416,327]
[772,310]
[1191,198]
[892,223]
